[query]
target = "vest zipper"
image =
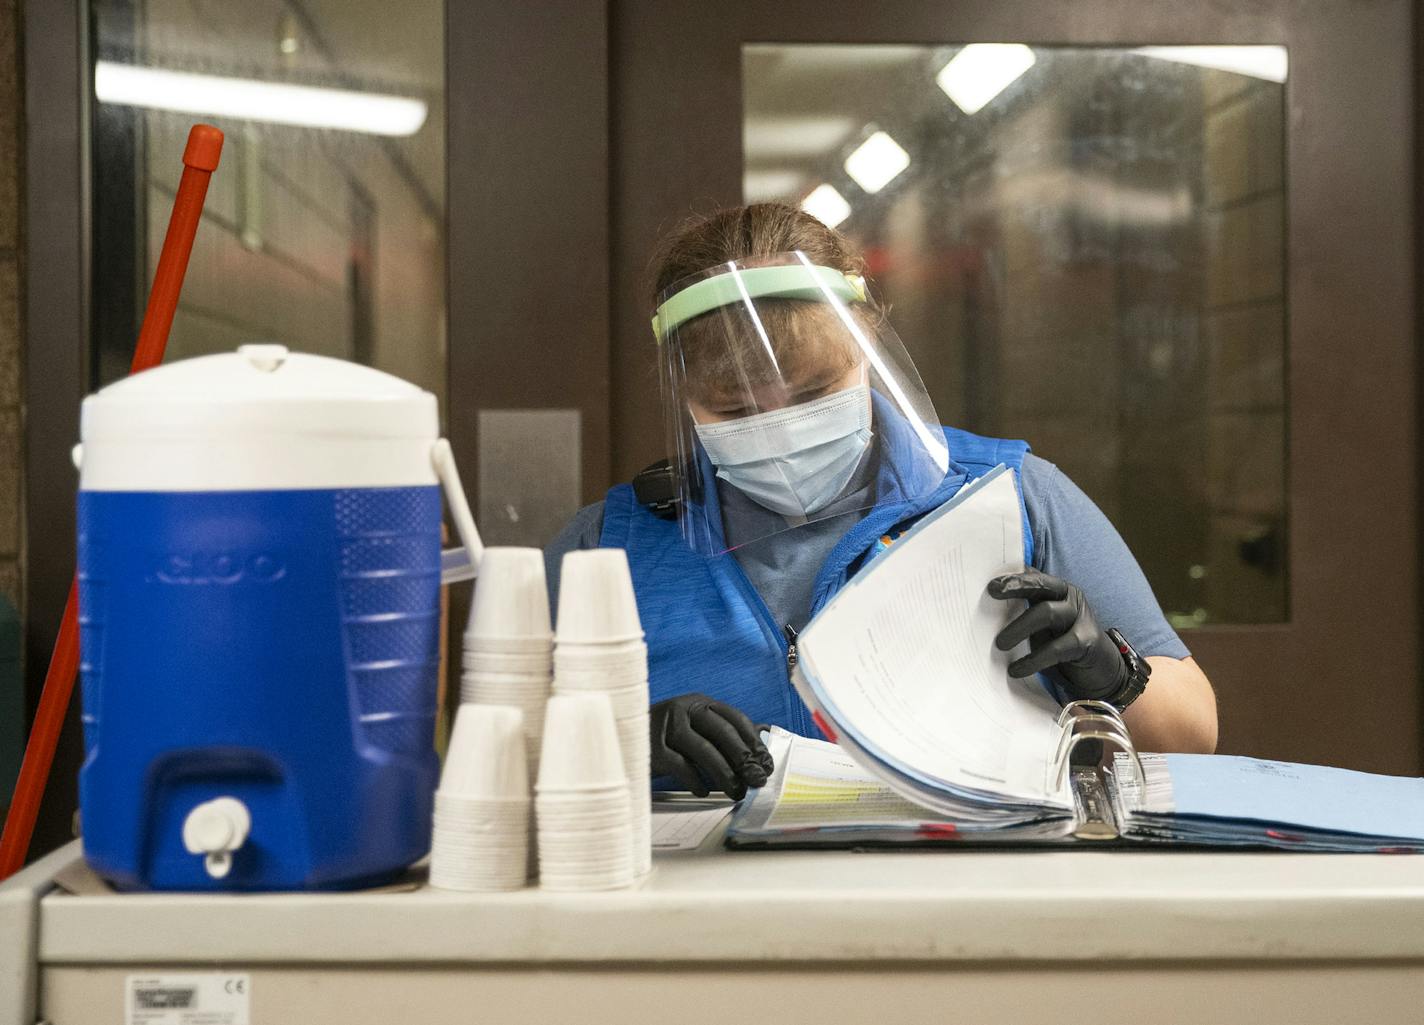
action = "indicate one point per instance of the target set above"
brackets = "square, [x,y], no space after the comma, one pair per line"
[801,717]
[791,636]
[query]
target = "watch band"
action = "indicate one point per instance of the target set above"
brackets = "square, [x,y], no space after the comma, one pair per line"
[1138,672]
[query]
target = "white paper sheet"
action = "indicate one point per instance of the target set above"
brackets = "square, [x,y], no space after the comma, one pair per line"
[683,826]
[905,655]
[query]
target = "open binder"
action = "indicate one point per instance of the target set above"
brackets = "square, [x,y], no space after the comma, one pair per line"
[932,740]
[819,796]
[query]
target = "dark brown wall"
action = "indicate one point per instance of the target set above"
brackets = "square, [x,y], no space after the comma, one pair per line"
[55,279]
[11,325]
[528,215]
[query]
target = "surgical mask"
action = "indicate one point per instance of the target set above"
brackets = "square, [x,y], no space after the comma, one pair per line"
[795,461]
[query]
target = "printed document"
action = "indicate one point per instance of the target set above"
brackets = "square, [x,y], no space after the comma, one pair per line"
[904,657]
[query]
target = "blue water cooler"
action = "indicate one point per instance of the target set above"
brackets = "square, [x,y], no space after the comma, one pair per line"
[259,575]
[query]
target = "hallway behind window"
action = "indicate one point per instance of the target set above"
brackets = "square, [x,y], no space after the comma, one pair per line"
[1079,246]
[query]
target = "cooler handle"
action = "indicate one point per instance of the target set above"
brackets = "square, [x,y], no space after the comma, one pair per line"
[455,566]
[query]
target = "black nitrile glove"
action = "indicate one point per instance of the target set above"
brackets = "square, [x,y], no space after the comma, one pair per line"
[1062,634]
[695,737]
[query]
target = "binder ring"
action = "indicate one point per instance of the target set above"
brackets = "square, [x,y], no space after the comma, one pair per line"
[1117,740]
[1109,723]
[1087,705]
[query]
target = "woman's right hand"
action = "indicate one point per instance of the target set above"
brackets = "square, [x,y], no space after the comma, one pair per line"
[695,739]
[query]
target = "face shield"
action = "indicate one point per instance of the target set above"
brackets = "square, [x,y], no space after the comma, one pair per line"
[788,400]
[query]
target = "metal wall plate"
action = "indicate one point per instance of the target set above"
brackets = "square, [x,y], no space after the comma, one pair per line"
[529,474]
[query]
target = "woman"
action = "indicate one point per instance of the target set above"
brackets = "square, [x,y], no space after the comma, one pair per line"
[802,443]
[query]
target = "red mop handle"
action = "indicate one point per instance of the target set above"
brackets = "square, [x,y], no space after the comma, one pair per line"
[200,159]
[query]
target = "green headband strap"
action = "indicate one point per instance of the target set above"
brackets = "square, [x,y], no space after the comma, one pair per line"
[798,281]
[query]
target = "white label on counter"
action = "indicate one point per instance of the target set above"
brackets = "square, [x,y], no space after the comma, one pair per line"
[207,999]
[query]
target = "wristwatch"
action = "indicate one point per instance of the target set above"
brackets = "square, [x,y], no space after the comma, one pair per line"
[1137,672]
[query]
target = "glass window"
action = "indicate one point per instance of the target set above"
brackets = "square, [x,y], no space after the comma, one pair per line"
[1082,247]
[324,224]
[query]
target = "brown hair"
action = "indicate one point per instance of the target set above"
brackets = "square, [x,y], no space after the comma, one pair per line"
[750,233]
[747,234]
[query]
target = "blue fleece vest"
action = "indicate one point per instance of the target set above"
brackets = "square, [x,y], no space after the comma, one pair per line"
[709,631]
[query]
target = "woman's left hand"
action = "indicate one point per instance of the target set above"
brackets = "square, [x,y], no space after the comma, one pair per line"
[1062,633]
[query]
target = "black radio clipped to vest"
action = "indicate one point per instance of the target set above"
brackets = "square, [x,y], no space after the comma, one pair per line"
[655,487]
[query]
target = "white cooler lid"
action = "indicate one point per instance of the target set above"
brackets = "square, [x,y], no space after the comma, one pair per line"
[263,388]
[260,417]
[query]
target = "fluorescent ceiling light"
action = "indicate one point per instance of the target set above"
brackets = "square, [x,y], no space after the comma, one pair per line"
[1268,62]
[981,71]
[250,100]
[826,205]
[876,161]
[761,186]
[800,58]
[764,137]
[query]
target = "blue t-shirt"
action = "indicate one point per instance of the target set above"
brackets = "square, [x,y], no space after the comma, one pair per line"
[1072,539]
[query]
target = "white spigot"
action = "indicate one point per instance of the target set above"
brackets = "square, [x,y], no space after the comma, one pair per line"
[215,829]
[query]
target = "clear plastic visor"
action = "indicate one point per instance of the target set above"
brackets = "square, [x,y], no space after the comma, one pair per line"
[789,401]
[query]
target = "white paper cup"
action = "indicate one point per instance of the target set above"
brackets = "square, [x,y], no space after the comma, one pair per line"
[464,805]
[596,601]
[482,693]
[477,848]
[538,663]
[531,703]
[558,826]
[580,749]
[511,681]
[559,799]
[511,598]
[627,702]
[520,690]
[576,854]
[636,759]
[508,645]
[613,653]
[594,839]
[479,843]
[452,872]
[634,724]
[608,678]
[584,796]
[481,822]
[581,663]
[581,862]
[606,844]
[531,688]
[619,878]
[561,820]
[486,756]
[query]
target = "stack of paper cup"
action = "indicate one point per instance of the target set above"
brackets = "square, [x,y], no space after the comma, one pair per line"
[585,836]
[508,657]
[481,839]
[600,649]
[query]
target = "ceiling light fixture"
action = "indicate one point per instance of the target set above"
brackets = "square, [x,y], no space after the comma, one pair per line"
[826,205]
[250,100]
[1267,62]
[981,71]
[876,161]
